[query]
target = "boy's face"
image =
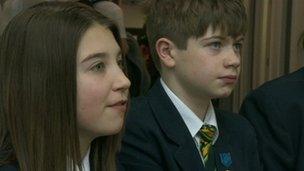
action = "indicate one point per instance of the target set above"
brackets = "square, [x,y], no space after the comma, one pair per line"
[210,66]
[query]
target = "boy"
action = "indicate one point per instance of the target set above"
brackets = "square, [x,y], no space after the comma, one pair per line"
[196,46]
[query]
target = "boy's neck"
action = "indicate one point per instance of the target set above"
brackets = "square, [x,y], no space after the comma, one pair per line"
[198,104]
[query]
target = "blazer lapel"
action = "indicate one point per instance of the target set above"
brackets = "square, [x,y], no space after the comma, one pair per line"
[170,121]
[224,152]
[188,157]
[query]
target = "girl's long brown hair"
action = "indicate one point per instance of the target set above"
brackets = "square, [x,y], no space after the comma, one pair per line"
[38,126]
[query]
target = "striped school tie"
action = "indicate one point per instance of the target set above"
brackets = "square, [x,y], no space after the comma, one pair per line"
[207,133]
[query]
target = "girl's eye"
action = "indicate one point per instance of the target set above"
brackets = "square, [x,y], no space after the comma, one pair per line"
[120,63]
[98,67]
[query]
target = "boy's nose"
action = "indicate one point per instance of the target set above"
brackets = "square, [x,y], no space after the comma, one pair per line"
[233,59]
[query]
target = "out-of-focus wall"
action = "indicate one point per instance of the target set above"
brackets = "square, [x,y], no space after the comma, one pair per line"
[12,7]
[297,28]
[133,15]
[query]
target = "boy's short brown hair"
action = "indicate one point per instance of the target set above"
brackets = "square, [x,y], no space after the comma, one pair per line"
[178,20]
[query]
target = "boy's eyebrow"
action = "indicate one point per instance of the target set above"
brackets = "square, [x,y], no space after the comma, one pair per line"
[94,55]
[214,37]
[239,39]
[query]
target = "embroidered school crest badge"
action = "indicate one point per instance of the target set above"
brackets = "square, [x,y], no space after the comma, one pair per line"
[226,159]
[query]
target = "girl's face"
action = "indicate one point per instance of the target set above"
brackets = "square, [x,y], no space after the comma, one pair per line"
[102,87]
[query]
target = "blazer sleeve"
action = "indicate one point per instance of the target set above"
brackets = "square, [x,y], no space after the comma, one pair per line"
[139,148]
[9,167]
[253,155]
[274,142]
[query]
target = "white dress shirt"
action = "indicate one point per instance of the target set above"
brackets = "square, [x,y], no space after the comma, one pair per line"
[192,121]
[85,162]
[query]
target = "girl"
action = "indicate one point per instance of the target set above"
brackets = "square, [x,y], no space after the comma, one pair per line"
[63,90]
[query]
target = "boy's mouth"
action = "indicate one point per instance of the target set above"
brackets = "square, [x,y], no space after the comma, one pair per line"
[229,79]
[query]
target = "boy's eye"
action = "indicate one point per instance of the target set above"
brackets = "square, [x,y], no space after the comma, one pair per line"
[215,45]
[238,46]
[98,67]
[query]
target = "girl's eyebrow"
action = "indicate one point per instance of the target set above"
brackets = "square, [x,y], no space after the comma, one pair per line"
[93,56]
[119,54]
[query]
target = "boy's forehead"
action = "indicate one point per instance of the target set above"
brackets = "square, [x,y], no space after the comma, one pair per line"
[219,32]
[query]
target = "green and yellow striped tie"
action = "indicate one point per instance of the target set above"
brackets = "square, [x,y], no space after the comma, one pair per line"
[207,133]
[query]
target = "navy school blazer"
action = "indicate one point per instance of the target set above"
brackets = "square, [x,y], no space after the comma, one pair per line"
[15,167]
[156,138]
[9,167]
[276,111]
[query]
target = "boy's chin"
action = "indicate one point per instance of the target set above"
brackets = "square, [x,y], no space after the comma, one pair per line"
[223,94]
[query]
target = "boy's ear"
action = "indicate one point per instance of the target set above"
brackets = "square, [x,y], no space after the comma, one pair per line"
[164,48]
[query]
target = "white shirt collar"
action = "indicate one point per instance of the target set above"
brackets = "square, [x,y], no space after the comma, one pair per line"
[191,120]
[86,161]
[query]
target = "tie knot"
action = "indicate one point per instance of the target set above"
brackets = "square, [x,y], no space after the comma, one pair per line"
[207,133]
